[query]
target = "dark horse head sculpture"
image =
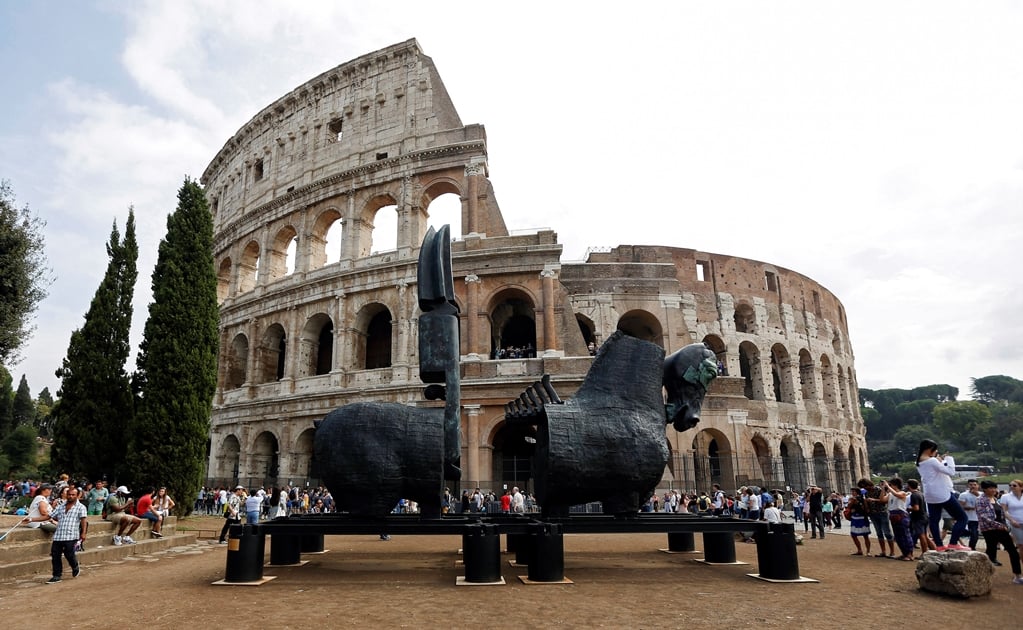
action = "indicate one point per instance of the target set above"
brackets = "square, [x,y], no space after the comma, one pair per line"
[687,374]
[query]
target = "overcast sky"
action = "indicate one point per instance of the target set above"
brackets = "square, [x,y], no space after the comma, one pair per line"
[876,147]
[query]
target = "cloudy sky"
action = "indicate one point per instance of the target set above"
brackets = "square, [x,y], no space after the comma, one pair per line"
[876,147]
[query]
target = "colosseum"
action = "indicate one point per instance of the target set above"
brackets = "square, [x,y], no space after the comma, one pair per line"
[320,203]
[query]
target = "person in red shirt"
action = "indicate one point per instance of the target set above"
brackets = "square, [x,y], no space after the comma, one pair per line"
[144,509]
[506,502]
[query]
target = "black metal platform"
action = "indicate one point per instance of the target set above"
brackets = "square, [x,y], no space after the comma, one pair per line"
[537,541]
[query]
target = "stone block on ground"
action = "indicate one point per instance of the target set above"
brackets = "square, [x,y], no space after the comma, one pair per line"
[958,573]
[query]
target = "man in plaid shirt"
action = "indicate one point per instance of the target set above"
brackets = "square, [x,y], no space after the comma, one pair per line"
[72,525]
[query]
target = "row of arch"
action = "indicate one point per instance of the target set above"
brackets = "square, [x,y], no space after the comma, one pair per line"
[334,236]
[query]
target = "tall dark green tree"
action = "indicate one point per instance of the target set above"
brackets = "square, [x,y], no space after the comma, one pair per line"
[6,403]
[23,273]
[90,419]
[177,362]
[44,408]
[24,406]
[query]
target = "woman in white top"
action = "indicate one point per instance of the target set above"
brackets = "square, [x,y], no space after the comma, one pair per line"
[39,512]
[1012,504]
[898,515]
[936,476]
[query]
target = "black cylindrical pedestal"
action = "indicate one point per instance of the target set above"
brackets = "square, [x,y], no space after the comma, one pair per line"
[547,561]
[244,554]
[481,553]
[285,549]
[681,541]
[776,552]
[719,547]
[312,543]
[523,548]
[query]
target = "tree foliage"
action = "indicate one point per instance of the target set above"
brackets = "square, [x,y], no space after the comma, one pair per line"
[24,406]
[989,389]
[91,418]
[961,423]
[6,403]
[177,363]
[19,448]
[24,276]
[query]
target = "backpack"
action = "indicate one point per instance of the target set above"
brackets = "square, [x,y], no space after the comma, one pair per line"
[703,503]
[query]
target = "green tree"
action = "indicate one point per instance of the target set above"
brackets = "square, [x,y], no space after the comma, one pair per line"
[90,421]
[19,448]
[44,407]
[24,275]
[24,406]
[6,403]
[177,362]
[907,439]
[989,389]
[961,423]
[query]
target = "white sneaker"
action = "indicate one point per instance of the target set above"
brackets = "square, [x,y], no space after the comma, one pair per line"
[117,541]
[128,540]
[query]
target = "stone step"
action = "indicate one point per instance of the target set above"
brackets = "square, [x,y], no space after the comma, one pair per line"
[96,554]
[25,544]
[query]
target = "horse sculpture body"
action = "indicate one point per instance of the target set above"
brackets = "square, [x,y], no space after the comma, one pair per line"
[608,443]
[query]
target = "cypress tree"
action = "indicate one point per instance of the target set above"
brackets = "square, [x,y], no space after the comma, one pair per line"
[6,403]
[176,368]
[24,406]
[90,419]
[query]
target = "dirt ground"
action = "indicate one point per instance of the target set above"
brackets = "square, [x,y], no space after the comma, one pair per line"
[619,581]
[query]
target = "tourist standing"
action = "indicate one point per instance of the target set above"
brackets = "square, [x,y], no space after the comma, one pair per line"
[72,526]
[1012,503]
[991,522]
[936,475]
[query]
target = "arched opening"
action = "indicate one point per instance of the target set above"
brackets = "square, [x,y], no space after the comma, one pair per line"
[265,458]
[272,353]
[237,362]
[325,239]
[843,470]
[711,460]
[385,229]
[720,350]
[317,346]
[642,325]
[248,267]
[588,329]
[285,244]
[745,319]
[794,465]
[830,381]
[223,280]
[749,369]
[762,453]
[513,327]
[843,387]
[781,374]
[230,452]
[377,340]
[821,467]
[304,465]
[445,208]
[807,382]
[513,456]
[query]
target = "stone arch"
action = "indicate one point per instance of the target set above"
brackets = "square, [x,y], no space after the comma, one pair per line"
[842,468]
[781,374]
[303,463]
[764,471]
[719,348]
[854,465]
[642,325]
[316,346]
[224,280]
[380,221]
[374,341]
[265,459]
[843,387]
[512,323]
[326,239]
[271,355]
[829,379]
[793,464]
[281,252]
[230,454]
[443,200]
[822,467]
[237,362]
[248,267]
[712,459]
[807,376]
[588,330]
[514,447]
[750,370]
[745,318]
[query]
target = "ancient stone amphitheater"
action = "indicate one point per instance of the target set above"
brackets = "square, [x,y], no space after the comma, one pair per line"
[320,203]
